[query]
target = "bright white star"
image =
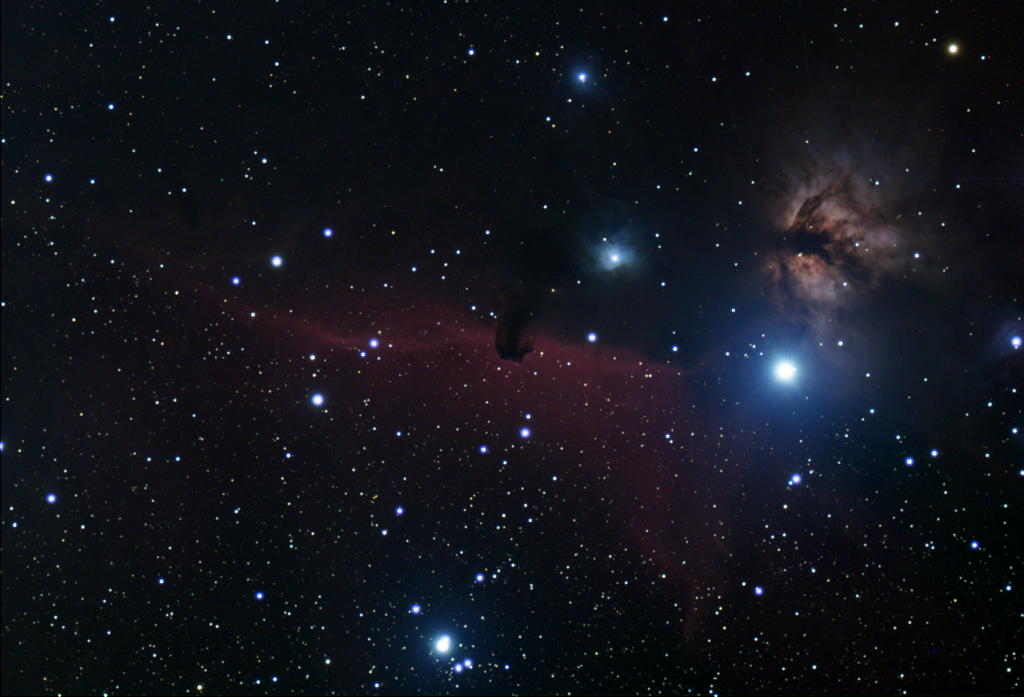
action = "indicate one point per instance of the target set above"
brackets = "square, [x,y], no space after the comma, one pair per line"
[444,645]
[785,371]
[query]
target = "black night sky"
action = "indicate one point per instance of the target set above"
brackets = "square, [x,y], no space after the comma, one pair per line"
[459,347]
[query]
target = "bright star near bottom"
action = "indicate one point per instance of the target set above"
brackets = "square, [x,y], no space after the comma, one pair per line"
[785,371]
[444,644]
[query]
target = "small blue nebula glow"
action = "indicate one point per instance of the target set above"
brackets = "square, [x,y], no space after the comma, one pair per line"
[328,232]
[480,578]
[374,343]
[483,450]
[468,663]
[759,591]
[318,400]
[592,338]
[910,462]
[51,499]
[525,433]
[444,645]
[399,511]
[416,609]
[48,178]
[796,479]
[458,668]
[935,453]
[1016,342]
[975,545]
[259,596]
[277,262]
[236,281]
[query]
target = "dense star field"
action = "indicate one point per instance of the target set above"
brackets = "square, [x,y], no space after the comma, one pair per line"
[467,348]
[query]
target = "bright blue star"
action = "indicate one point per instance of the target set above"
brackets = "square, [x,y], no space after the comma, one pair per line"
[759,591]
[785,371]
[483,449]
[236,281]
[525,433]
[259,596]
[582,77]
[444,645]
[277,262]
[479,578]
[318,400]
[51,499]
[416,609]
[910,462]
[592,338]
[1016,342]
[328,232]
[374,343]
